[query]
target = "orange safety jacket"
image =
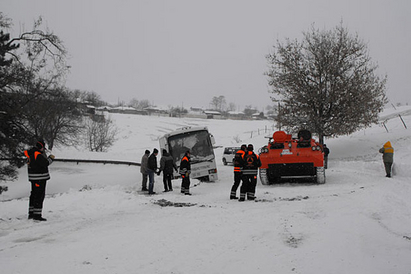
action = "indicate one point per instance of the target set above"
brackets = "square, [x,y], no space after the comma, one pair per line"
[185,166]
[251,163]
[37,165]
[387,152]
[239,160]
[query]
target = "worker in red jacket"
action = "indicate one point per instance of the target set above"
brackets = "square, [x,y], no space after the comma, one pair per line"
[38,172]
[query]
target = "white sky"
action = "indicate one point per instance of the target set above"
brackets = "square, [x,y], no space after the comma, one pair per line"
[184,52]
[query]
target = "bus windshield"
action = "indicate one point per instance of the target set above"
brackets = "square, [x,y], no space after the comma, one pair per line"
[198,142]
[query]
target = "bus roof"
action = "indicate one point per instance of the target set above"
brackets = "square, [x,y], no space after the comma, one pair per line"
[185,129]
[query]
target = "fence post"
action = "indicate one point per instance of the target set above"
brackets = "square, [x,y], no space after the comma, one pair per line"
[383,123]
[402,121]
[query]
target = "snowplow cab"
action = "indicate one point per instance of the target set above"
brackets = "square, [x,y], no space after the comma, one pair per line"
[286,158]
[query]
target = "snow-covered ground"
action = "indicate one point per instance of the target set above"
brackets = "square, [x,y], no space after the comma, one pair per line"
[358,222]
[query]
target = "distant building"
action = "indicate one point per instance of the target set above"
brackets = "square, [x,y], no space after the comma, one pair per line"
[236,115]
[259,116]
[90,109]
[212,114]
[155,110]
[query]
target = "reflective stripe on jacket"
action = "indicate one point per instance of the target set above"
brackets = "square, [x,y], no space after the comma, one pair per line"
[251,163]
[185,166]
[239,160]
[37,165]
[387,152]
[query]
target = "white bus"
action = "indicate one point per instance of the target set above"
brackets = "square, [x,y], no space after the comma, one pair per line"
[200,143]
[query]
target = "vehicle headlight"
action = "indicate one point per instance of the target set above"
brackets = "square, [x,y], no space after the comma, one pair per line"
[264,150]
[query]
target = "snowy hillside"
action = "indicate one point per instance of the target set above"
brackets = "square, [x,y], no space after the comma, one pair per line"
[358,222]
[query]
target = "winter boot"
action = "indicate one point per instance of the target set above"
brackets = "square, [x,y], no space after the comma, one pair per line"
[39,218]
[250,196]
[232,195]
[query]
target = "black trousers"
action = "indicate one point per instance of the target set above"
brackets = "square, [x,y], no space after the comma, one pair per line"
[237,180]
[248,186]
[167,181]
[185,184]
[38,192]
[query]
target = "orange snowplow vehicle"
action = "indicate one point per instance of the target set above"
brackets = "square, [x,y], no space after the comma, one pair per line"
[287,158]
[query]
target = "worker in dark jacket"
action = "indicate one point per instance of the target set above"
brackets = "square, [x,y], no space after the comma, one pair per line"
[167,166]
[38,173]
[143,170]
[238,170]
[326,151]
[250,171]
[387,157]
[151,170]
[185,170]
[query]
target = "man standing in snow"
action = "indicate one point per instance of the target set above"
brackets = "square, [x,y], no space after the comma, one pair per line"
[387,157]
[185,170]
[151,169]
[167,166]
[250,170]
[326,151]
[143,169]
[38,171]
[238,170]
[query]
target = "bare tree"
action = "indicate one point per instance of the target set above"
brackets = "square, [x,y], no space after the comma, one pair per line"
[56,117]
[100,133]
[231,107]
[218,103]
[326,83]
[139,104]
[249,111]
[142,104]
[89,97]
[133,103]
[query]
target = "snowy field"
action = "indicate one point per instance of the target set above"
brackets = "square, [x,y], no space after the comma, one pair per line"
[358,222]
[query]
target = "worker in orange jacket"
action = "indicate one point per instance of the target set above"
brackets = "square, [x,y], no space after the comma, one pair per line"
[250,171]
[238,170]
[185,170]
[38,173]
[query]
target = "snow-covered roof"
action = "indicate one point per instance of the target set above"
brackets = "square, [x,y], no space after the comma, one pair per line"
[236,113]
[124,108]
[214,112]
